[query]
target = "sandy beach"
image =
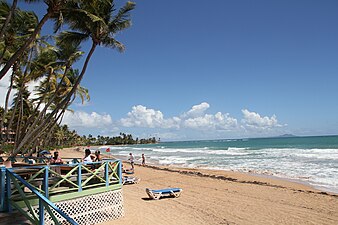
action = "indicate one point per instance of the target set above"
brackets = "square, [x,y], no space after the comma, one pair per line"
[219,197]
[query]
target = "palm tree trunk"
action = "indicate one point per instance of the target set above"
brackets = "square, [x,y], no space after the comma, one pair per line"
[12,117]
[17,131]
[48,104]
[51,123]
[6,105]
[8,19]
[29,135]
[3,54]
[29,62]
[42,113]
[36,110]
[21,50]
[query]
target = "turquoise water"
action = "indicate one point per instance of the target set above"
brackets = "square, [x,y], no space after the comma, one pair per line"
[309,159]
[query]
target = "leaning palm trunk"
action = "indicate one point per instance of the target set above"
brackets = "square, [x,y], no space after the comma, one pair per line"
[49,134]
[3,54]
[6,106]
[49,126]
[8,19]
[12,118]
[36,111]
[18,123]
[33,133]
[41,114]
[50,101]
[22,49]
[56,122]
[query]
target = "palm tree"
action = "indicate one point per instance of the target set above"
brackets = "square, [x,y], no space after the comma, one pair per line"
[54,10]
[49,63]
[47,90]
[7,14]
[23,108]
[87,19]
[95,20]
[18,30]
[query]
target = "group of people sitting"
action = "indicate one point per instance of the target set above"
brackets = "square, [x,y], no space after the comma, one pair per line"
[88,158]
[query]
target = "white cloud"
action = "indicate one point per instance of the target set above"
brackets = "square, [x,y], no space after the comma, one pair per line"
[254,120]
[140,116]
[4,84]
[197,110]
[84,119]
[218,121]
[195,123]
[31,88]
[195,118]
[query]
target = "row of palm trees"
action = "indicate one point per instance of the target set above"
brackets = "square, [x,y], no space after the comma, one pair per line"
[122,139]
[27,55]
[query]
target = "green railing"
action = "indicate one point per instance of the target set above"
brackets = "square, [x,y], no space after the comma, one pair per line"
[55,183]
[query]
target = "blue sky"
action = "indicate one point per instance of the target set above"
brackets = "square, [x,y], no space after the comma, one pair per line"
[216,69]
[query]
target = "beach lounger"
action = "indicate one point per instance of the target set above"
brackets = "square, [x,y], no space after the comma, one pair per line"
[130,180]
[128,171]
[169,192]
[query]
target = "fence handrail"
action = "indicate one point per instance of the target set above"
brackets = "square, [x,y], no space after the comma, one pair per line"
[105,179]
[108,169]
[41,197]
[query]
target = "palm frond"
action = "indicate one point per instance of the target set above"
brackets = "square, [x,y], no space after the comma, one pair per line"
[91,16]
[123,13]
[73,37]
[113,43]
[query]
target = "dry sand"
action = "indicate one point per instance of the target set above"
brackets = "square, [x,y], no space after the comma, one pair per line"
[218,197]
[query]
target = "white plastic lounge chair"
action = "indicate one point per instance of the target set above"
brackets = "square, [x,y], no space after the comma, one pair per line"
[169,192]
[130,180]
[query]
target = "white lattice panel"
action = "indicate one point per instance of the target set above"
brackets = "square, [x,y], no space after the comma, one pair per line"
[90,209]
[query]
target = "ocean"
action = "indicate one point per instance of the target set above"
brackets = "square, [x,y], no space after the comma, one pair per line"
[311,160]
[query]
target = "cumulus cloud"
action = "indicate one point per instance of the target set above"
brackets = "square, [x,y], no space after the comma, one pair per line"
[195,118]
[254,120]
[141,116]
[218,121]
[88,120]
[197,110]
[193,123]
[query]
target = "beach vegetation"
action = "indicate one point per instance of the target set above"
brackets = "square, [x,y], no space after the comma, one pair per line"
[33,119]
[122,139]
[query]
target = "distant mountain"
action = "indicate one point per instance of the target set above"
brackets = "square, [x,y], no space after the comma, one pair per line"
[286,135]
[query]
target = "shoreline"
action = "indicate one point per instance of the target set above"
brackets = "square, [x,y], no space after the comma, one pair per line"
[220,197]
[288,164]
[263,175]
[250,178]
[206,172]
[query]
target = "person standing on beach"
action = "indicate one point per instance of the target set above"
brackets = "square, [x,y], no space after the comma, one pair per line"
[143,160]
[131,160]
